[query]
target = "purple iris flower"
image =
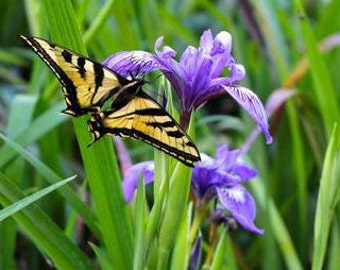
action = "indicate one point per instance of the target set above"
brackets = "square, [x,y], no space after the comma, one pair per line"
[220,177]
[131,176]
[197,76]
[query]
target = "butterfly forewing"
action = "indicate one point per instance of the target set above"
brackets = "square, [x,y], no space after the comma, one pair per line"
[144,119]
[86,83]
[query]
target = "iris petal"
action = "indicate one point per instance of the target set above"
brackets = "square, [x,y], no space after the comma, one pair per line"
[239,202]
[207,39]
[132,62]
[252,104]
[130,180]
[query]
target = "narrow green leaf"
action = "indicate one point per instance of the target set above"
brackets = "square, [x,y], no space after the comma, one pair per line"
[178,196]
[218,260]
[43,231]
[19,205]
[50,176]
[326,96]
[99,21]
[279,229]
[333,255]
[182,249]
[104,262]
[8,236]
[139,260]
[328,199]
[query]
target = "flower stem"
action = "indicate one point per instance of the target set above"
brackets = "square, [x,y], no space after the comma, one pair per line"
[199,213]
[212,244]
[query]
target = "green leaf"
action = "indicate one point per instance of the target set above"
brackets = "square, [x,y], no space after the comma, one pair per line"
[278,227]
[182,249]
[19,205]
[50,176]
[328,199]
[218,260]
[104,262]
[178,194]
[139,260]
[326,96]
[42,230]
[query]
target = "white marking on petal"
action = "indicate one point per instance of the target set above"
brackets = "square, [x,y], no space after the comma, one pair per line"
[235,194]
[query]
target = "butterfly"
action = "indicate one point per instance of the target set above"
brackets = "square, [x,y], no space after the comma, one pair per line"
[88,85]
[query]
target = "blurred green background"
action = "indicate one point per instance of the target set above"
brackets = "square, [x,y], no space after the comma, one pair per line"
[282,44]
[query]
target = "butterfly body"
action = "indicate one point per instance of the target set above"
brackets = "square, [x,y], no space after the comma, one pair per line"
[88,85]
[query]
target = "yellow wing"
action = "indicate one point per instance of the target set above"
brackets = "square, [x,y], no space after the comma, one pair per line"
[143,118]
[86,84]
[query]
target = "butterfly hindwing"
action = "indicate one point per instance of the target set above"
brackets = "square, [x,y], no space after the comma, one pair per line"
[86,83]
[144,119]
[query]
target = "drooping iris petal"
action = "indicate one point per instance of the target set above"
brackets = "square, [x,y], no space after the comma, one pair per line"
[277,99]
[239,202]
[131,177]
[252,104]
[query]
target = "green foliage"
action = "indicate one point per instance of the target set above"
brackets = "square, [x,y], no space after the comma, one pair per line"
[281,44]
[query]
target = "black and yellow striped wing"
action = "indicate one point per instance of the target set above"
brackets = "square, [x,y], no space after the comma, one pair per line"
[86,84]
[144,119]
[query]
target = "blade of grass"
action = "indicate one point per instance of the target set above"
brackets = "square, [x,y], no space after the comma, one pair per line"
[220,252]
[140,227]
[182,250]
[99,21]
[8,235]
[104,262]
[43,231]
[53,178]
[324,90]
[333,255]
[178,196]
[328,199]
[19,205]
[278,227]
